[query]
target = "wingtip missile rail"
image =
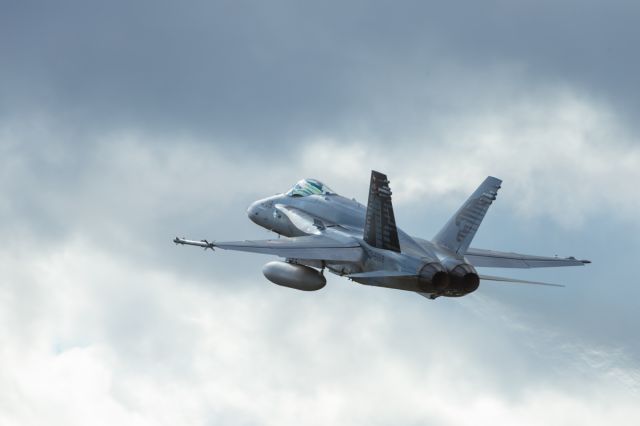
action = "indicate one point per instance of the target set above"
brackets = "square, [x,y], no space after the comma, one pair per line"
[202,243]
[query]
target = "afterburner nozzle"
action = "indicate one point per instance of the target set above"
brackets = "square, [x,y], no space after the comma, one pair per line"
[434,273]
[465,277]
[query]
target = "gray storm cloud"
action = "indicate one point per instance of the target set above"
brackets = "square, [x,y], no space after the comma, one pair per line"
[290,68]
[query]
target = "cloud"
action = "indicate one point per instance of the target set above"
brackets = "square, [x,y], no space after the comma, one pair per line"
[124,125]
[113,319]
[563,157]
[251,72]
[560,154]
[146,346]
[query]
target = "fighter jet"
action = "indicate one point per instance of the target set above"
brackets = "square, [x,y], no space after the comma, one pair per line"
[320,230]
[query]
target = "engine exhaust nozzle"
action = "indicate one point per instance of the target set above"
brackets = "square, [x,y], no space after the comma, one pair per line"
[434,273]
[465,277]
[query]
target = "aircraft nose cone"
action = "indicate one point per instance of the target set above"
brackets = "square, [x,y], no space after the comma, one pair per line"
[254,211]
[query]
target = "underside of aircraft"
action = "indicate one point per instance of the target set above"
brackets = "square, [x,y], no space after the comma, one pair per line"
[320,230]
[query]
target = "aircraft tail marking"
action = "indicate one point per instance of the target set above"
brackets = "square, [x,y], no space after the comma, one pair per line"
[461,228]
[380,224]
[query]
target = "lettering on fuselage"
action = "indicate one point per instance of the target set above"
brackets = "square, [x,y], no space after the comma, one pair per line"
[377,257]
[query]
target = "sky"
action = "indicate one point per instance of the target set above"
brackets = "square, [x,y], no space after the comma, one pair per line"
[125,124]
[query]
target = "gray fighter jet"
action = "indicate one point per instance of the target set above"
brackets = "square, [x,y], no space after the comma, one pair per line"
[323,230]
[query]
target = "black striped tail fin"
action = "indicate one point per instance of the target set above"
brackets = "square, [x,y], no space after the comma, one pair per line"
[380,224]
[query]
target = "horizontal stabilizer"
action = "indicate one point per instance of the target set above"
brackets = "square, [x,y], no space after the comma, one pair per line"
[499,259]
[516,281]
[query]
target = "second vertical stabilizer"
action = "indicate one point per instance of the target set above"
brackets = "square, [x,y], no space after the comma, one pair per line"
[380,224]
[461,228]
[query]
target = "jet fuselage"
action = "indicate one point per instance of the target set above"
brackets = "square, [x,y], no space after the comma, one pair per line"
[344,218]
[323,230]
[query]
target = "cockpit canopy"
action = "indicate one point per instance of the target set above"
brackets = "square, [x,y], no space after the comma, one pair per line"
[307,187]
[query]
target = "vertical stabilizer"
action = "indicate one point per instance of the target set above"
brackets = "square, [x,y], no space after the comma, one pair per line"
[461,228]
[380,225]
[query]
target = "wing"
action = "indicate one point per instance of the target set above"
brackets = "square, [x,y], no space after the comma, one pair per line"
[307,247]
[499,259]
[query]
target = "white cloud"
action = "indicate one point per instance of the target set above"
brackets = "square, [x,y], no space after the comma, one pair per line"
[103,326]
[109,341]
[560,154]
[101,322]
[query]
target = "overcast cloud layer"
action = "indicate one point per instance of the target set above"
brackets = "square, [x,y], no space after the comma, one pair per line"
[125,124]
